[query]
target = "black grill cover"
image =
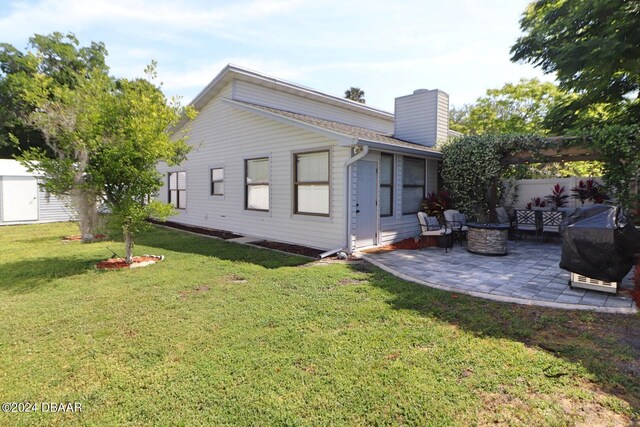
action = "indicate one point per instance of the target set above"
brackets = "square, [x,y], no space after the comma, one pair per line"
[599,242]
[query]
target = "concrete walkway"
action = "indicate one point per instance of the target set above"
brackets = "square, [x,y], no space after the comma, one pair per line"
[528,275]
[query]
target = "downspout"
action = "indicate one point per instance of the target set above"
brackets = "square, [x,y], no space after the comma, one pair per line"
[347,168]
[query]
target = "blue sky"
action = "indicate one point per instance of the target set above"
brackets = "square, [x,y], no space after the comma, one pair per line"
[387,48]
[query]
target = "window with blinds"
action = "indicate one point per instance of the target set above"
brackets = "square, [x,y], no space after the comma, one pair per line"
[311,181]
[386,184]
[257,184]
[413,183]
[178,189]
[217,181]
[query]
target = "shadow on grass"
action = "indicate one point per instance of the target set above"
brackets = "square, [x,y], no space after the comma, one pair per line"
[30,274]
[41,239]
[608,345]
[179,241]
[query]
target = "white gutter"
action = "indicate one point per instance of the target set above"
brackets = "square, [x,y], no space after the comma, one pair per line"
[347,171]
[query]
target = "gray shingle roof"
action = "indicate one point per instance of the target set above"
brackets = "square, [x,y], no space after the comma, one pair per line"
[348,130]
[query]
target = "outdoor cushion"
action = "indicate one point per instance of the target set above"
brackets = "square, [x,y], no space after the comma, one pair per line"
[503,217]
[460,219]
[432,223]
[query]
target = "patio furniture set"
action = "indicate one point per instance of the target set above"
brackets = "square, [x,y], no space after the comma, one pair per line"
[540,221]
[491,238]
[601,229]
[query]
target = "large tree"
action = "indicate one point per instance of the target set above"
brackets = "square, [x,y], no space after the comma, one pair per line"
[521,108]
[514,108]
[53,93]
[136,136]
[58,58]
[593,47]
[104,137]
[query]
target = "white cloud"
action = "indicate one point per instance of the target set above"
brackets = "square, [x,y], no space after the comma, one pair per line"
[26,18]
[388,48]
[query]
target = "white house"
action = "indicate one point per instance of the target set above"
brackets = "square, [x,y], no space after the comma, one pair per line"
[23,202]
[283,162]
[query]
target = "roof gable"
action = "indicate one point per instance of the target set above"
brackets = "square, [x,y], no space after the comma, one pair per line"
[231,72]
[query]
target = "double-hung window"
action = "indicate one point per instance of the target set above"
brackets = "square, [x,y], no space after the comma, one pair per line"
[386,184]
[217,182]
[178,189]
[311,182]
[257,184]
[413,183]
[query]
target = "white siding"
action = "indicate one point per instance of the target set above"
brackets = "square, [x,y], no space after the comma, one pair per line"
[422,117]
[224,136]
[255,94]
[442,131]
[54,209]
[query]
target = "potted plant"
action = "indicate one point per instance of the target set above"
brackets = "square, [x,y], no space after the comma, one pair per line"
[536,202]
[589,190]
[558,196]
[436,203]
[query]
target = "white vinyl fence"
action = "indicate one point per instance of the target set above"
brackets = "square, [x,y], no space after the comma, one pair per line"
[530,188]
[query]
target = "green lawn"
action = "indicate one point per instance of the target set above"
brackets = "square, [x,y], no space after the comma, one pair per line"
[224,334]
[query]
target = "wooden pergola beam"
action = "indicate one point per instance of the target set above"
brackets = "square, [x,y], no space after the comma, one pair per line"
[549,155]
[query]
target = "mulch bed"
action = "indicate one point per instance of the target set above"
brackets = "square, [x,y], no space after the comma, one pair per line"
[226,235]
[409,243]
[79,237]
[120,263]
[294,249]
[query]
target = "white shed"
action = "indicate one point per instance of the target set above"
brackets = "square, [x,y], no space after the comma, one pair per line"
[23,202]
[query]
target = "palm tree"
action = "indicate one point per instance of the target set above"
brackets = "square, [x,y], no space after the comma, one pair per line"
[354,94]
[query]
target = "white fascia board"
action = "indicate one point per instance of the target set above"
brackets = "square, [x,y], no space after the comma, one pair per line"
[343,139]
[399,149]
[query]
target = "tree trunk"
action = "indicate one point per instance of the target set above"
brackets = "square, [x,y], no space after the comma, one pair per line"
[128,244]
[86,206]
[84,199]
[493,202]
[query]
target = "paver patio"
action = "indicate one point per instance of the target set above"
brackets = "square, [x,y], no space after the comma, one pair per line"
[529,274]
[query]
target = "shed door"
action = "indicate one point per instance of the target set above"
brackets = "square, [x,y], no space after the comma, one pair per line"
[19,198]
[366,204]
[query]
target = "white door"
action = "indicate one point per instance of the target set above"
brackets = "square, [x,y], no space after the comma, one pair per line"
[19,198]
[366,204]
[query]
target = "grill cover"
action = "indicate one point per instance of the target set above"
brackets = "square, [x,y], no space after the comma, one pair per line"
[599,242]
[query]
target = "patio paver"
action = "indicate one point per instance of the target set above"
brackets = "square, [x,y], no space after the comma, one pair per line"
[529,275]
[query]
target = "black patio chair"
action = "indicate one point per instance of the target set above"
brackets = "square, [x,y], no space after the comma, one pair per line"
[551,222]
[526,221]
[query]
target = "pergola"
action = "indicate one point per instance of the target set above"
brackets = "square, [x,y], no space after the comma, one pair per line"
[554,150]
[551,150]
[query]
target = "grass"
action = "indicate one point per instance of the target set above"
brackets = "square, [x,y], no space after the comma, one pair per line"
[225,334]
